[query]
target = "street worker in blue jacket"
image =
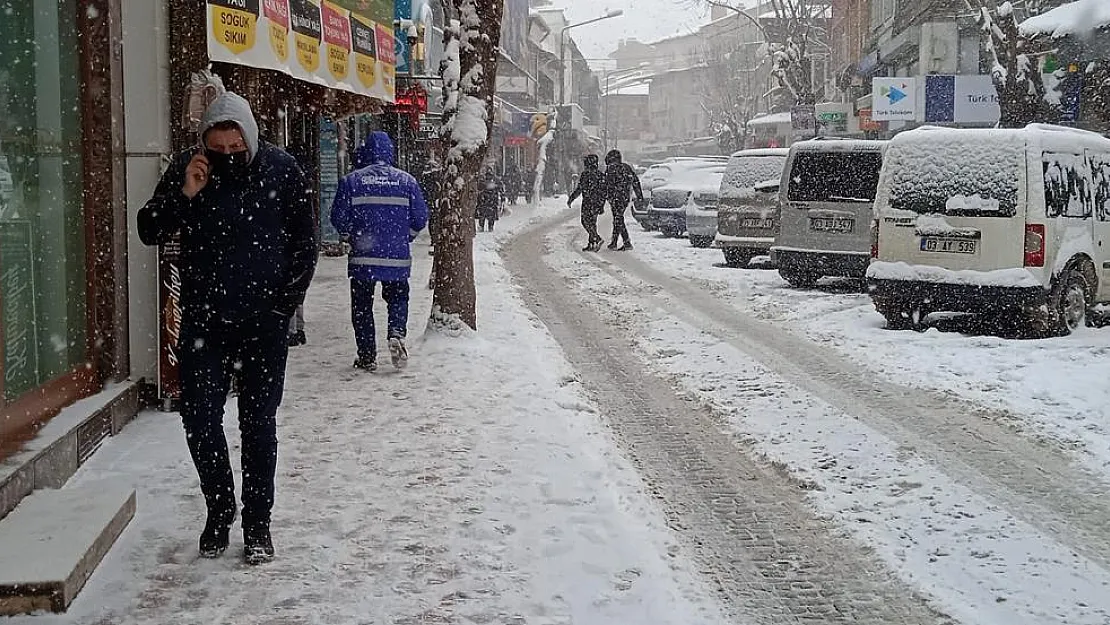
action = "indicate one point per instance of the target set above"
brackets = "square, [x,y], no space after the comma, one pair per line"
[381,210]
[243,210]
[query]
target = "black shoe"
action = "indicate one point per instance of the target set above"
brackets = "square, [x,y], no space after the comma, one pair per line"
[258,547]
[366,364]
[625,247]
[215,537]
[297,338]
[612,246]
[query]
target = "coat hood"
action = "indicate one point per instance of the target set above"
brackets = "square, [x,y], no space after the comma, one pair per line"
[590,161]
[613,157]
[232,107]
[376,149]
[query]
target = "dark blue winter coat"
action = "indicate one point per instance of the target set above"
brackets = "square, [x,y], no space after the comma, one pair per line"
[381,209]
[248,247]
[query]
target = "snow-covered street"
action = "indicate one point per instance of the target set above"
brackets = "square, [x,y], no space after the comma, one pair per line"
[643,437]
[944,453]
[478,486]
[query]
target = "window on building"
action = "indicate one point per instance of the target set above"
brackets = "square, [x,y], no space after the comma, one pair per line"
[42,243]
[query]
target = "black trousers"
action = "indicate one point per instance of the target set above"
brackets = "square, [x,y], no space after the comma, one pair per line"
[589,222]
[254,353]
[619,228]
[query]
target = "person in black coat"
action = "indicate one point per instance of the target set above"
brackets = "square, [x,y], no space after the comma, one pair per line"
[591,187]
[490,197]
[620,182]
[243,210]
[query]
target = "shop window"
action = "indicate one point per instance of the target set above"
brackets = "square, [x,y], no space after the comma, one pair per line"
[42,246]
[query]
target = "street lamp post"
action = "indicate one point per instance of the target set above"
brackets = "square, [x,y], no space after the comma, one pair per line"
[560,125]
[632,74]
[563,49]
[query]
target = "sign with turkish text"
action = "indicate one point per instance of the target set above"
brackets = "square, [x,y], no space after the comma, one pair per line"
[340,44]
[893,99]
[970,99]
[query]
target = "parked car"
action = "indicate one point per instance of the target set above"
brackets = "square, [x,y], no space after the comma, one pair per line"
[1010,224]
[825,210]
[747,209]
[660,174]
[692,190]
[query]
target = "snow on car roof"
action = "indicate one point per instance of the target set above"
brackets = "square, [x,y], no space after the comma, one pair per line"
[763,152]
[1079,17]
[701,180]
[1046,136]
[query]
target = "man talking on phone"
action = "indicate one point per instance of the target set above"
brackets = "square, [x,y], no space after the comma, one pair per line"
[242,208]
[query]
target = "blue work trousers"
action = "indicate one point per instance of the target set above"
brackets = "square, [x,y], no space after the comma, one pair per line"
[396,296]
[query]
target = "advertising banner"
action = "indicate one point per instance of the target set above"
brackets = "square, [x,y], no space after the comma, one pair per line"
[341,44]
[970,99]
[169,294]
[893,99]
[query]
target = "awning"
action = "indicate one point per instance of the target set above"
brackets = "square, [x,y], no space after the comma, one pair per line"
[337,44]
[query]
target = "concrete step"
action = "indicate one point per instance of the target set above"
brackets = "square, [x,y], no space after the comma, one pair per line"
[52,542]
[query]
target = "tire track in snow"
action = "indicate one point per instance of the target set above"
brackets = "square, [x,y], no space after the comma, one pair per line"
[772,558]
[968,442]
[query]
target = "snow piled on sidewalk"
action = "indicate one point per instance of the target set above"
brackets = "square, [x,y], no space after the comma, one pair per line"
[476,486]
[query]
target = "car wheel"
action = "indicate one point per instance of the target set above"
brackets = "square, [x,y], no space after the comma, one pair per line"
[898,317]
[735,257]
[799,279]
[670,233]
[1069,302]
[700,241]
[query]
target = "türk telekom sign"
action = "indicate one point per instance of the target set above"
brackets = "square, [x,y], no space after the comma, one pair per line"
[961,99]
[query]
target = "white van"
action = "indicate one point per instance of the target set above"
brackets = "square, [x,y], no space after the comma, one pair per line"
[1013,224]
[826,200]
[746,218]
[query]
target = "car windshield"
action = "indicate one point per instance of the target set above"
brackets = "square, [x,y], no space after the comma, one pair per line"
[956,172]
[846,176]
[744,172]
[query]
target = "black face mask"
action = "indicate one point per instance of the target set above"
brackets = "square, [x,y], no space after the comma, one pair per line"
[233,166]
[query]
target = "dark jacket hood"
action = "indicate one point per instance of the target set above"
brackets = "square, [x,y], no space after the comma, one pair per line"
[232,107]
[590,161]
[613,157]
[376,149]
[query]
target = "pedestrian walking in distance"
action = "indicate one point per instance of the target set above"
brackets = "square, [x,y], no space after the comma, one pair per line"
[591,188]
[244,212]
[620,182]
[490,196]
[382,210]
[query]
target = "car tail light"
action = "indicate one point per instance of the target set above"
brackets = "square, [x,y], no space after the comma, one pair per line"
[1034,245]
[875,238]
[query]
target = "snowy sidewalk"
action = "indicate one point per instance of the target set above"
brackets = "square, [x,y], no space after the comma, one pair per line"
[477,486]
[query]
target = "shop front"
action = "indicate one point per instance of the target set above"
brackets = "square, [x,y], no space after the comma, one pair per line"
[62,217]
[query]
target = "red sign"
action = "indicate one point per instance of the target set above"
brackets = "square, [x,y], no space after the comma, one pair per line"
[866,124]
[277,11]
[387,52]
[337,27]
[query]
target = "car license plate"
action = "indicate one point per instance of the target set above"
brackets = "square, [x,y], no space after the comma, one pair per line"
[759,224]
[952,246]
[832,224]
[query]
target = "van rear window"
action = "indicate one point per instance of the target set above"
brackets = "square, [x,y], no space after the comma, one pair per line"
[956,173]
[843,177]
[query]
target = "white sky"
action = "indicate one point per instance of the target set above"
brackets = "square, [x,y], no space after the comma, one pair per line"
[646,20]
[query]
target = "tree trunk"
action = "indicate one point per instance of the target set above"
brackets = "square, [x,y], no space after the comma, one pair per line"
[471,40]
